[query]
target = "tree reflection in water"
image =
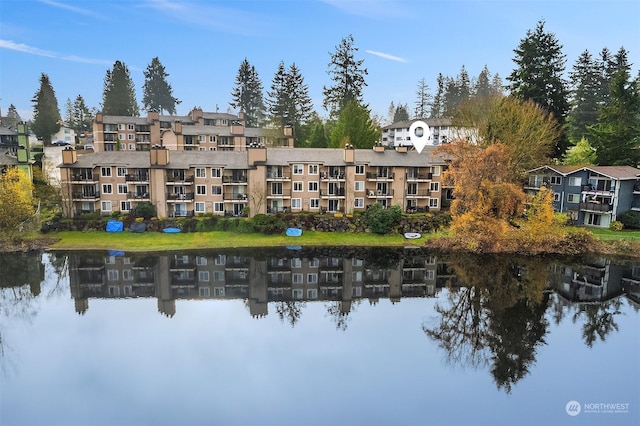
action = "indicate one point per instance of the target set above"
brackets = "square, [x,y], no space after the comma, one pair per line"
[599,320]
[494,315]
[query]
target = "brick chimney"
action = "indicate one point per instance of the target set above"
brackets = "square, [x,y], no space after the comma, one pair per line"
[159,156]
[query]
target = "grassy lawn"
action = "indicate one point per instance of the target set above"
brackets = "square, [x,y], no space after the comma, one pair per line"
[152,241]
[608,235]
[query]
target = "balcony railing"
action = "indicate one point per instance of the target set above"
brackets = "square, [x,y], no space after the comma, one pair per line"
[86,196]
[234,179]
[419,176]
[180,179]
[137,178]
[180,197]
[418,193]
[380,176]
[596,207]
[379,193]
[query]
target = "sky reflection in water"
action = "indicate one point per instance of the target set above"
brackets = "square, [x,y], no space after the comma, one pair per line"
[124,363]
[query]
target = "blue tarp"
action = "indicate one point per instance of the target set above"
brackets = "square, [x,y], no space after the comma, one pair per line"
[293,232]
[115,226]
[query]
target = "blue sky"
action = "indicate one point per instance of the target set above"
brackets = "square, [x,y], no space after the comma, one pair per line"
[201,43]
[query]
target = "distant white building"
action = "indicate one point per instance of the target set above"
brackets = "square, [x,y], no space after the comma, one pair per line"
[64,134]
[436,132]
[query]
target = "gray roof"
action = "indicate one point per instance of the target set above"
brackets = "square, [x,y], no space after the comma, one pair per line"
[8,131]
[198,129]
[431,122]
[614,172]
[335,157]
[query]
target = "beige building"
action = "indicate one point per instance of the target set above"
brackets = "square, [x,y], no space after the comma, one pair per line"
[197,131]
[251,181]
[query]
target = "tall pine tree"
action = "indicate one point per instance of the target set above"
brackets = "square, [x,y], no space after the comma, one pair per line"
[119,95]
[81,116]
[46,114]
[300,105]
[437,107]
[585,96]
[157,92]
[247,94]
[13,118]
[347,74]
[423,99]
[538,76]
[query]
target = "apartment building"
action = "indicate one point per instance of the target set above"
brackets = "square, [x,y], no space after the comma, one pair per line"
[197,131]
[15,150]
[251,181]
[435,132]
[593,195]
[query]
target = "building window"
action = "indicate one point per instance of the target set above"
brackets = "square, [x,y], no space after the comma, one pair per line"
[121,136]
[312,278]
[296,203]
[131,137]
[106,171]
[212,138]
[313,169]
[201,138]
[359,169]
[218,207]
[556,196]
[359,185]
[573,198]
[123,188]
[122,171]
[313,186]
[203,276]
[121,126]
[132,147]
[358,203]
[298,169]
[435,170]
[575,181]
[131,127]
[201,189]
[105,206]
[314,203]
[125,206]
[555,180]
[216,190]
[200,207]
[216,173]
[297,186]
[201,172]
[297,278]
[296,263]
[312,293]
[434,186]
[107,188]
[433,202]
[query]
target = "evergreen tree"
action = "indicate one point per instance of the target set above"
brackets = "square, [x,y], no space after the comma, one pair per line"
[464,86]
[585,96]
[391,112]
[119,95]
[13,118]
[317,135]
[581,154]
[497,85]
[437,107]
[347,74]
[247,94]
[401,114]
[82,117]
[68,114]
[616,135]
[277,98]
[300,106]
[46,115]
[538,76]
[423,98]
[157,92]
[451,96]
[355,127]
[483,83]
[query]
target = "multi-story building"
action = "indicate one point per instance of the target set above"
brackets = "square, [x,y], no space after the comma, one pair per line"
[437,132]
[593,195]
[197,131]
[15,149]
[251,181]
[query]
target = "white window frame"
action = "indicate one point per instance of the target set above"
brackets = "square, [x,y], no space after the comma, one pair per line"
[312,169]
[123,188]
[555,180]
[218,207]
[125,206]
[121,171]
[200,207]
[434,202]
[107,188]
[296,203]
[298,186]
[572,197]
[201,189]
[314,203]
[216,172]
[201,172]
[575,181]
[358,203]
[359,185]
[359,169]
[298,169]
[312,186]
[105,171]
[105,206]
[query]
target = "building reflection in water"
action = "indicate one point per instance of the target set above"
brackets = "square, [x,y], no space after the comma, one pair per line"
[340,275]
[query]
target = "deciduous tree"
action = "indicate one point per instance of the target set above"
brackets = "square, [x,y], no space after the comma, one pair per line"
[46,114]
[582,153]
[16,203]
[157,92]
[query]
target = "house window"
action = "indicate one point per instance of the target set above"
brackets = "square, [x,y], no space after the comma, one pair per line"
[122,171]
[131,127]
[297,293]
[205,292]
[212,138]
[312,278]
[314,203]
[297,278]
[573,198]
[121,136]
[276,188]
[106,171]
[216,190]
[107,188]
[357,292]
[201,138]
[434,186]
[201,173]
[218,291]
[296,203]
[312,293]
[203,276]
[105,206]
[123,188]
[433,202]
[201,261]
[216,173]
[359,185]
[298,169]
[199,206]
[435,170]
[296,263]
[131,137]
[125,206]
[218,207]
[593,219]
[218,276]
[201,189]
[575,181]
[556,196]
[356,276]
[314,263]
[313,169]
[121,126]
[313,186]
[360,169]
[297,186]
[555,180]
[358,203]
[132,147]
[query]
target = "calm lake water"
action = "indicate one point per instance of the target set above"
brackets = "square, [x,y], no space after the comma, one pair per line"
[327,336]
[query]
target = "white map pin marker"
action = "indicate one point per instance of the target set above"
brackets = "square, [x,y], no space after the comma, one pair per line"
[420,135]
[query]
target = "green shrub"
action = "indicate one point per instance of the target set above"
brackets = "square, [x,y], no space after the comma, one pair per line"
[616,226]
[268,224]
[630,219]
[382,221]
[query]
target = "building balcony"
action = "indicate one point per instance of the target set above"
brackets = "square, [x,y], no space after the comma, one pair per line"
[141,196]
[234,180]
[181,213]
[424,177]
[80,196]
[423,193]
[332,176]
[339,193]
[179,179]
[235,197]
[187,196]
[83,179]
[596,207]
[380,177]
[278,176]
[379,194]
[137,178]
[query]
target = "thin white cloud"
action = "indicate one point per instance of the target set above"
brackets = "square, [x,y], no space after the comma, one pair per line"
[377,9]
[24,48]
[71,8]
[386,56]
[228,20]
